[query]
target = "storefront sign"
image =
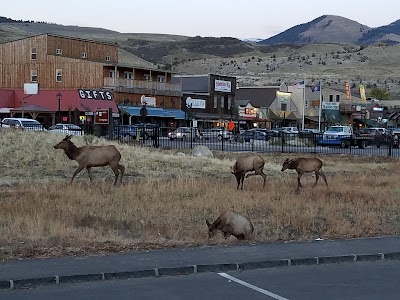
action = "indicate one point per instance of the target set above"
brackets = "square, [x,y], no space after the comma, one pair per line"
[330,105]
[101,117]
[95,94]
[195,103]
[149,101]
[223,86]
[283,97]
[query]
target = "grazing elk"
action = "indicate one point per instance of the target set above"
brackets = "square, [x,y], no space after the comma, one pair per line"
[231,223]
[247,164]
[305,165]
[92,156]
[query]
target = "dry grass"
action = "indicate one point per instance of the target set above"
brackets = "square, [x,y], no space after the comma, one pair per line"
[166,199]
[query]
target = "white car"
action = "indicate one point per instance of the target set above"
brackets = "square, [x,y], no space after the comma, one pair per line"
[23,123]
[293,130]
[217,133]
[66,129]
[184,133]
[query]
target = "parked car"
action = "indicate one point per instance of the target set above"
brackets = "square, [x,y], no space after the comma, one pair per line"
[67,129]
[145,130]
[23,123]
[250,135]
[184,133]
[293,130]
[217,133]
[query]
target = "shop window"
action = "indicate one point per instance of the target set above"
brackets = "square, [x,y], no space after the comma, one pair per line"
[160,78]
[330,98]
[108,58]
[337,98]
[33,53]
[147,77]
[284,106]
[128,75]
[59,75]
[33,75]
[58,51]
[84,55]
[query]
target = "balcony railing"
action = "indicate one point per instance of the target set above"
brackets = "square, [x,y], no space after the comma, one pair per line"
[142,86]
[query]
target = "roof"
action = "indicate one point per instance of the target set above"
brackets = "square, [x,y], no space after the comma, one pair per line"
[259,97]
[154,112]
[32,107]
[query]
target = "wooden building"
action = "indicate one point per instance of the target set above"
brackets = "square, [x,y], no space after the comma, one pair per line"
[85,73]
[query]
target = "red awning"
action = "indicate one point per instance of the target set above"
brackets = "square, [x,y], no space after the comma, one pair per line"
[70,101]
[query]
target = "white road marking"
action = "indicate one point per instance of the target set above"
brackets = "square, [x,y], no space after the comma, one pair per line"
[253,287]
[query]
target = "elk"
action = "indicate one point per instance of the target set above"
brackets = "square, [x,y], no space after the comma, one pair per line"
[247,164]
[231,223]
[92,156]
[305,165]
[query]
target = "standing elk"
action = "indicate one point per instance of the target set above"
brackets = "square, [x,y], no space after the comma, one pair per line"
[92,156]
[231,223]
[247,164]
[305,165]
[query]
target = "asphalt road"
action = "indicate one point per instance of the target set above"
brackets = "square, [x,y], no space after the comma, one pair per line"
[361,280]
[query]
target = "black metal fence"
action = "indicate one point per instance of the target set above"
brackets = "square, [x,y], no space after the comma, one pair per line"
[170,138]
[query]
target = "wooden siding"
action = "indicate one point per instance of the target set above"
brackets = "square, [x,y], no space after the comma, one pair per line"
[73,48]
[134,99]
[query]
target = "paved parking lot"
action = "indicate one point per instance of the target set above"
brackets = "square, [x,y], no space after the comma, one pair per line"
[360,280]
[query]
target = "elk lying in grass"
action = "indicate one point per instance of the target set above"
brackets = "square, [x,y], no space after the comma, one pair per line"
[305,165]
[92,156]
[247,164]
[231,223]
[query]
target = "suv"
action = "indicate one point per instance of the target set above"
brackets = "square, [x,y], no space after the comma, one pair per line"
[184,133]
[217,133]
[23,123]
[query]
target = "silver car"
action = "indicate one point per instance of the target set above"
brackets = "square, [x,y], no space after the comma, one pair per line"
[184,133]
[66,129]
[217,133]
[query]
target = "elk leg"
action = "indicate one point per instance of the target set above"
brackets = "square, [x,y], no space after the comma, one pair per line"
[80,168]
[226,234]
[89,169]
[251,174]
[242,179]
[299,174]
[316,178]
[323,177]
[116,172]
[238,181]
[122,171]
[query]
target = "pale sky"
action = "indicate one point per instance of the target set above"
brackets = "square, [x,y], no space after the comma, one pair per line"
[240,19]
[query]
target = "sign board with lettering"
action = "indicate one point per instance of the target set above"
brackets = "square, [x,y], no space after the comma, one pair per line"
[101,117]
[95,94]
[195,103]
[330,105]
[223,86]
[149,101]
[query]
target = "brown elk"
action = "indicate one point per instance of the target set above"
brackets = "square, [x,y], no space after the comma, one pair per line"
[305,165]
[231,223]
[92,156]
[247,164]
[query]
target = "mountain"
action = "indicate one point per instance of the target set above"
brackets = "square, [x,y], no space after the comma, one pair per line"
[389,34]
[325,29]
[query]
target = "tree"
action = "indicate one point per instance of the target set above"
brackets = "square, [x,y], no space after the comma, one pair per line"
[381,94]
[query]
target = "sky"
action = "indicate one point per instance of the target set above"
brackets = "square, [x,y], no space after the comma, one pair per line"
[217,18]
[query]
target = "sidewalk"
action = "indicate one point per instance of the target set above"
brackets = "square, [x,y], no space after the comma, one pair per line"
[191,260]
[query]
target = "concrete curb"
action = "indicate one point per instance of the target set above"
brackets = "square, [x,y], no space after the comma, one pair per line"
[193,269]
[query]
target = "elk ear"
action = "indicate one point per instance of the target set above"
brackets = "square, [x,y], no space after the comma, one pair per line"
[287,160]
[67,137]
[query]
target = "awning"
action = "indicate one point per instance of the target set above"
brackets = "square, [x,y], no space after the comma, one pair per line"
[154,112]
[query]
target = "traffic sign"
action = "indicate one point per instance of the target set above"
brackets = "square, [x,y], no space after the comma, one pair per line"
[231,125]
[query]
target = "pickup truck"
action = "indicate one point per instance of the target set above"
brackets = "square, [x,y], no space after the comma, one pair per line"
[344,137]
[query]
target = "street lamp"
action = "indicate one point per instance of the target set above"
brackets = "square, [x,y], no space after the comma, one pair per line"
[59,97]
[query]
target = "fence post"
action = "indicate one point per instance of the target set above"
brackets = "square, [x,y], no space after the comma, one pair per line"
[390,146]
[283,141]
[222,146]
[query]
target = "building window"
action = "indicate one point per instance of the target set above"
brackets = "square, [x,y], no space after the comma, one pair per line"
[58,51]
[33,75]
[160,78]
[84,55]
[229,102]
[147,77]
[215,101]
[128,75]
[284,106]
[58,75]
[306,105]
[112,74]
[330,98]
[33,53]
[222,102]
[108,58]
[337,98]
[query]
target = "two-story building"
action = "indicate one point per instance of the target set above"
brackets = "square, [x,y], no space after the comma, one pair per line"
[208,99]
[52,77]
